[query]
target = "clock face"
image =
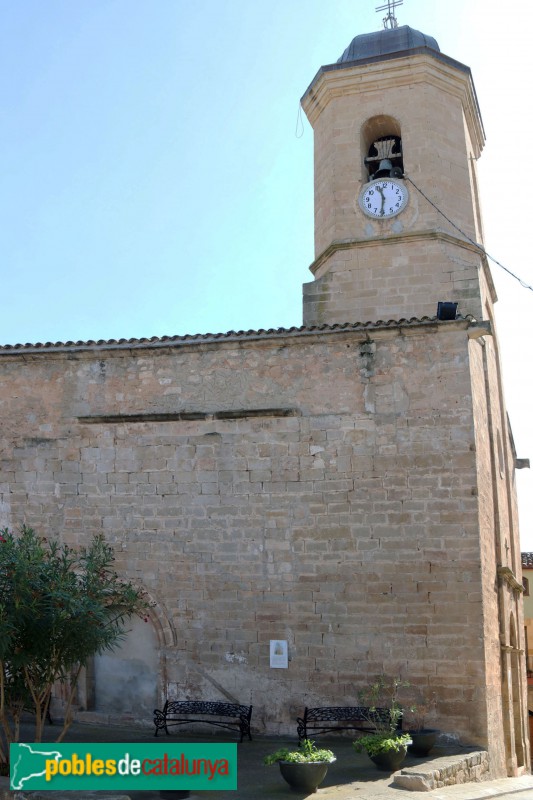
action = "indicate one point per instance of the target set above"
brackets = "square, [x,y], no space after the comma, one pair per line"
[383,198]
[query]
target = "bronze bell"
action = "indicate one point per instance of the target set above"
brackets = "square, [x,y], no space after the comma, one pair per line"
[384,169]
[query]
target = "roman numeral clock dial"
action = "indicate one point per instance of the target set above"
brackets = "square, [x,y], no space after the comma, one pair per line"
[383,198]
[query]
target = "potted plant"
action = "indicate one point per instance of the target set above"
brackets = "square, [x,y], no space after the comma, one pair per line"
[423,737]
[386,745]
[303,769]
[386,749]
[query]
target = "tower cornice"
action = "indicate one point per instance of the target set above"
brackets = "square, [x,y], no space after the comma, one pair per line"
[386,72]
[397,238]
[403,238]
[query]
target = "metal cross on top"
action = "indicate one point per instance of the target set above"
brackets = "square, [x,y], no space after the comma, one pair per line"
[390,20]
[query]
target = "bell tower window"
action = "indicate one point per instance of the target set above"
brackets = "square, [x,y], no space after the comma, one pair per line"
[385,158]
[382,148]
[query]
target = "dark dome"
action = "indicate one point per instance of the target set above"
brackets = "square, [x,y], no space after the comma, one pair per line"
[386,42]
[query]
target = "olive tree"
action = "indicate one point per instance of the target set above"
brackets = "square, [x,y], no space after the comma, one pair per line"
[58,607]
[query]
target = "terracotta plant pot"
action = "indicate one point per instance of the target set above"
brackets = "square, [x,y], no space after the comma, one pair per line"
[423,741]
[304,777]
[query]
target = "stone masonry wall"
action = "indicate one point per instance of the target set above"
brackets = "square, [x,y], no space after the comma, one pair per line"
[500,562]
[316,488]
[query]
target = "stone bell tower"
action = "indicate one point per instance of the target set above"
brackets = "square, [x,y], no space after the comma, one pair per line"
[398,231]
[394,107]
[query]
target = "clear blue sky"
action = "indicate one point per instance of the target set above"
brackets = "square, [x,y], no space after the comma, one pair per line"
[151,179]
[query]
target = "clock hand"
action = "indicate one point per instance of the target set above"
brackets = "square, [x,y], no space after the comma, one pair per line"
[380,190]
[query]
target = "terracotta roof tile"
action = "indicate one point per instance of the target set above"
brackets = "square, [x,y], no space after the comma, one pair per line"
[228,336]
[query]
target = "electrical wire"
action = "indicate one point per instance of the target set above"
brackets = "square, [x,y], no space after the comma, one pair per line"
[299,132]
[476,244]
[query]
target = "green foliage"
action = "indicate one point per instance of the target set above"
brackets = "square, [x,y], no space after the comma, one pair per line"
[307,753]
[422,703]
[375,743]
[58,607]
[383,693]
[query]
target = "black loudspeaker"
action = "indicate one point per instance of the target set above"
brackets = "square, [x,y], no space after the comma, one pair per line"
[446,310]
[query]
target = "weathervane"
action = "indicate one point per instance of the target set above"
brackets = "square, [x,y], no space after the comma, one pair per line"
[390,20]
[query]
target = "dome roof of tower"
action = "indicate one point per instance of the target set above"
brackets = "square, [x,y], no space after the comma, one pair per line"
[387,42]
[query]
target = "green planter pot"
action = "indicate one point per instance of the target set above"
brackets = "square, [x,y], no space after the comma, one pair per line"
[423,741]
[304,777]
[389,760]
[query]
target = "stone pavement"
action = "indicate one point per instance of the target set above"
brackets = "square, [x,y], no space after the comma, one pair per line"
[351,777]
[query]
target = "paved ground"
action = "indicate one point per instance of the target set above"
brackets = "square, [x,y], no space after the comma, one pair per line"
[351,777]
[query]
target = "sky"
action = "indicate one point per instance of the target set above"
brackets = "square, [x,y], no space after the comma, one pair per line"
[156,177]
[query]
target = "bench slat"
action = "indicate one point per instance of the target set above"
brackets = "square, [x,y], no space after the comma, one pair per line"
[201,707]
[183,712]
[361,718]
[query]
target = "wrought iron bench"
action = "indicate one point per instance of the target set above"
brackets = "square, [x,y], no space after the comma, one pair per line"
[182,712]
[349,718]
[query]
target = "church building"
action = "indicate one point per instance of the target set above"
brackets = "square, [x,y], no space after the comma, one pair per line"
[345,488]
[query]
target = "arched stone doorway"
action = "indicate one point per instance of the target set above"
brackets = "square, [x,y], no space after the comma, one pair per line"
[128,682]
[513,706]
[126,678]
[516,695]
